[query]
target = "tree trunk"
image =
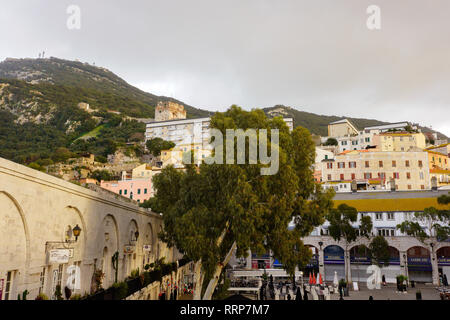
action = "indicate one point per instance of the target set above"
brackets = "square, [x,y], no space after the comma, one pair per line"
[213,282]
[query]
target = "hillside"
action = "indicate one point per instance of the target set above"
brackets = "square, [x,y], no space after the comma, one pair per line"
[318,124]
[76,74]
[39,112]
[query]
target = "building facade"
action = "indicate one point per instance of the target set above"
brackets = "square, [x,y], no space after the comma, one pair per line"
[375,170]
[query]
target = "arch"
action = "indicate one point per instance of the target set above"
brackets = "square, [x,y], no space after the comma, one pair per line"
[333,250]
[105,226]
[83,222]
[26,231]
[443,256]
[418,252]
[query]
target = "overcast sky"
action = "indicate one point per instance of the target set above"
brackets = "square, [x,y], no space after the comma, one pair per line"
[316,55]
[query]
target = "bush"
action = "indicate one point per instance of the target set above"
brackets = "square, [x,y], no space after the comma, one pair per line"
[120,290]
[41,296]
[75,297]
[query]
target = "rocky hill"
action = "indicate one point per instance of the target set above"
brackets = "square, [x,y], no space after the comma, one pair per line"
[90,78]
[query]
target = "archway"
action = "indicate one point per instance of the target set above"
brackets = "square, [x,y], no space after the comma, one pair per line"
[132,239]
[15,248]
[107,246]
[359,261]
[443,257]
[419,264]
[313,265]
[148,245]
[334,262]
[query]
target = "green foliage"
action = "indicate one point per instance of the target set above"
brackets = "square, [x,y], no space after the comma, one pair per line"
[436,221]
[379,251]
[101,159]
[76,297]
[120,290]
[100,175]
[331,142]
[341,221]
[156,145]
[251,209]
[134,273]
[36,166]
[41,296]
[58,293]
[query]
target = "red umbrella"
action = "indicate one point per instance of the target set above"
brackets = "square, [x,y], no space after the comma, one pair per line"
[314,278]
[310,278]
[320,279]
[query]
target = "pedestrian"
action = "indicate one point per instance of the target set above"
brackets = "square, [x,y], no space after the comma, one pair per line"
[305,294]
[383,279]
[444,280]
[289,296]
[370,298]
[298,295]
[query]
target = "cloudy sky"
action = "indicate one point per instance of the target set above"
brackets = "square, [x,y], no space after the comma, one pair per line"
[316,55]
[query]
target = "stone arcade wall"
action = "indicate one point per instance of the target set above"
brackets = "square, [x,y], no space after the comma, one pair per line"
[36,210]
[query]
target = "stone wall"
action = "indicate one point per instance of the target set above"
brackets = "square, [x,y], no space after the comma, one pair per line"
[37,212]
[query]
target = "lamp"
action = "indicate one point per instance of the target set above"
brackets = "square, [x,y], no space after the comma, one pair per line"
[136,235]
[76,232]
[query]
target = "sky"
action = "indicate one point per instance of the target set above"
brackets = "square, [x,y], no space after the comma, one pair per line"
[317,55]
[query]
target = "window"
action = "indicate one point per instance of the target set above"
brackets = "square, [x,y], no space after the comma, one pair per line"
[378,216]
[420,163]
[367,164]
[367,175]
[342,176]
[329,177]
[355,142]
[145,191]
[380,164]
[390,216]
[386,232]
[341,165]
[42,281]
[396,175]
[343,143]
[125,191]
[408,175]
[139,191]
[409,187]
[353,176]
[394,163]
[407,163]
[329,165]
[367,139]
[326,157]
[422,187]
[382,175]
[421,175]
[120,192]
[352,164]
[131,195]
[9,284]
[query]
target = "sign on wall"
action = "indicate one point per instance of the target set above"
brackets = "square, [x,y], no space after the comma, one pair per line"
[147,247]
[59,255]
[128,249]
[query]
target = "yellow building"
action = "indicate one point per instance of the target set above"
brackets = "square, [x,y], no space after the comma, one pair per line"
[375,169]
[392,141]
[143,171]
[342,128]
[180,153]
[438,160]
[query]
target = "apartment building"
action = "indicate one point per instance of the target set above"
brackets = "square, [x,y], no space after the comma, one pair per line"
[404,141]
[341,128]
[372,170]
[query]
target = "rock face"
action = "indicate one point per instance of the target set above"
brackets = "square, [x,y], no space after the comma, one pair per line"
[168,110]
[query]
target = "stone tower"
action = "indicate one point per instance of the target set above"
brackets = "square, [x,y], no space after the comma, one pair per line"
[168,110]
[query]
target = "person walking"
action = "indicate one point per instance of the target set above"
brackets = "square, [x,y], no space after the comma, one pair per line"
[444,280]
[298,295]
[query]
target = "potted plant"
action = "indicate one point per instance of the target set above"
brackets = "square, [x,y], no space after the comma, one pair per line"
[41,296]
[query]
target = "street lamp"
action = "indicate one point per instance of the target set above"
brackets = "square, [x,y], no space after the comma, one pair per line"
[76,232]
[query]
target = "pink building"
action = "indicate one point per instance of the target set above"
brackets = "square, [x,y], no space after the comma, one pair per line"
[137,189]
